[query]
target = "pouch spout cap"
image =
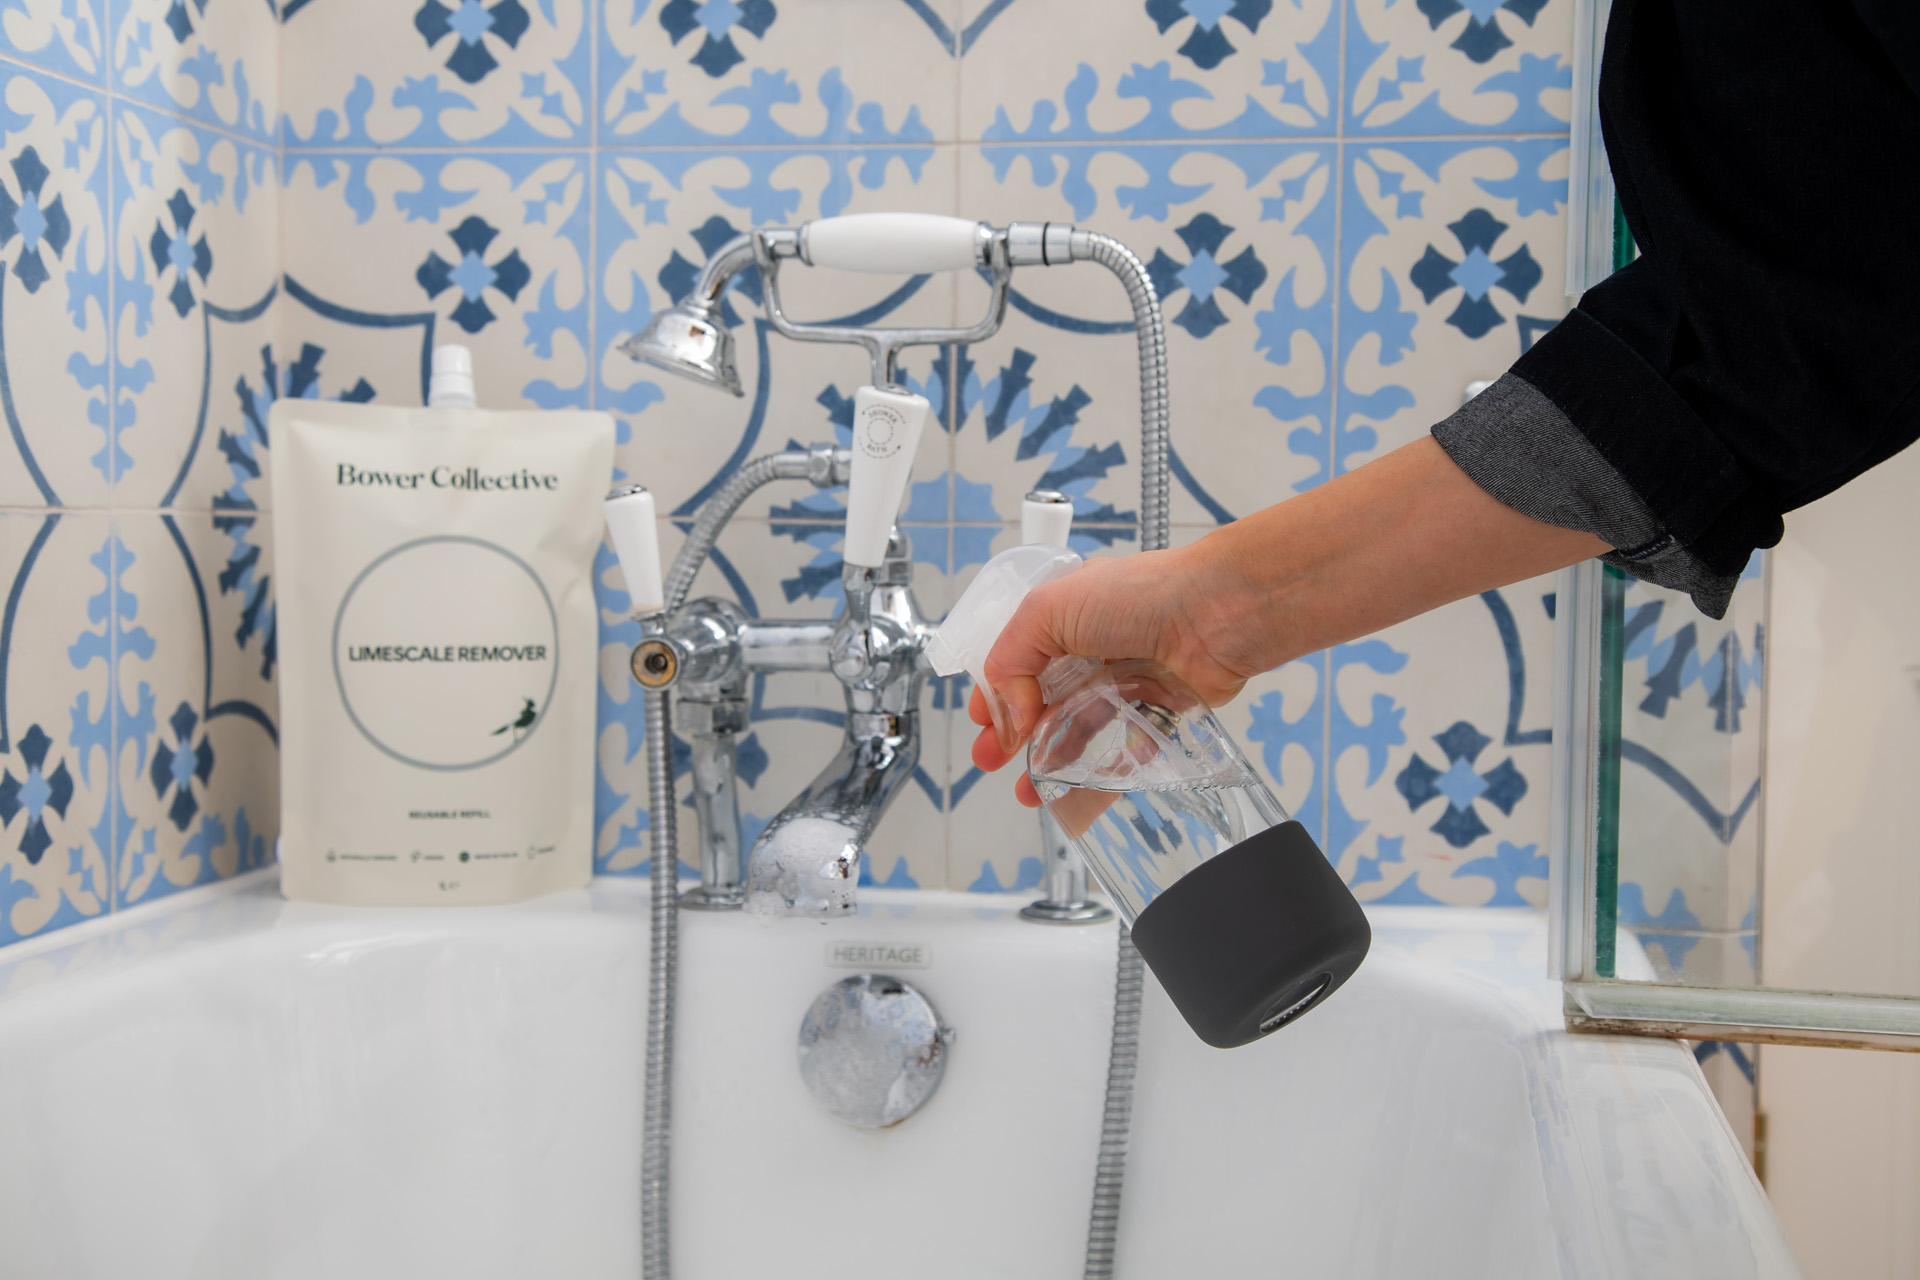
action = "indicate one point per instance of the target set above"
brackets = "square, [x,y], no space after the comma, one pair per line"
[451,385]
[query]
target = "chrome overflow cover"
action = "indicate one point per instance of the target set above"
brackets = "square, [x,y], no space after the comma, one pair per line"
[872,1050]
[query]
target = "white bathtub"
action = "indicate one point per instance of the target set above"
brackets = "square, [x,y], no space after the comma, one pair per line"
[236,1086]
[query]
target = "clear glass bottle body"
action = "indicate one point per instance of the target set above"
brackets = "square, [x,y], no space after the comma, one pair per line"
[1142,778]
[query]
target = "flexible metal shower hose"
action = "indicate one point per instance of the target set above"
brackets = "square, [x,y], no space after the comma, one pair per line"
[717,510]
[1150,336]
[1123,1055]
[656,1123]
[656,1130]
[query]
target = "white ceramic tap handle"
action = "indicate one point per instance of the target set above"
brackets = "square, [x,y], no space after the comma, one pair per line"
[636,541]
[1046,517]
[886,432]
[898,243]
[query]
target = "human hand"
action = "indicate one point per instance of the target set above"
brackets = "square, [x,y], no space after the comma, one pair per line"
[1160,605]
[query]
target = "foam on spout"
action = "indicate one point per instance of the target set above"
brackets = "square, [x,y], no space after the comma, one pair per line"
[806,866]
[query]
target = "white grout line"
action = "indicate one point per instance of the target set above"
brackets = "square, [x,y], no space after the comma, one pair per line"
[1338,114]
[108,89]
[724,147]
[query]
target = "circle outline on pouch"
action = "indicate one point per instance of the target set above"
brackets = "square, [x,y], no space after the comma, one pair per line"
[340,682]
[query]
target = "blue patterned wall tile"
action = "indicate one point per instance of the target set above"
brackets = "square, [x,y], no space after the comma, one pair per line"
[1439,754]
[392,252]
[53,290]
[59,715]
[741,73]
[1452,260]
[1160,70]
[67,36]
[1026,420]
[376,73]
[1239,240]
[220,69]
[196,247]
[197,766]
[661,214]
[1280,722]
[1458,66]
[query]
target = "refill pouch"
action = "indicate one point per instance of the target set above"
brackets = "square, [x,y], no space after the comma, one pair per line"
[438,642]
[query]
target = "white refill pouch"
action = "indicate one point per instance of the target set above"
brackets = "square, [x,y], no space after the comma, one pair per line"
[438,649]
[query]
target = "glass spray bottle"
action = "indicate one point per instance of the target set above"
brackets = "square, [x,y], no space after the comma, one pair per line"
[1232,905]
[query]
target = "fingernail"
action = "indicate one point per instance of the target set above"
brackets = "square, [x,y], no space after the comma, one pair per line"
[1006,721]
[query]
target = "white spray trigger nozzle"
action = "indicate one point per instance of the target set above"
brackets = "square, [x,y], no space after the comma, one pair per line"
[984,609]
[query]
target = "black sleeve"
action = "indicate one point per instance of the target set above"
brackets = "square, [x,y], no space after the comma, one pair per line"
[1765,348]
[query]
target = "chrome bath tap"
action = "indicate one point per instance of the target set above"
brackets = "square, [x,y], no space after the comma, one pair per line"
[807,860]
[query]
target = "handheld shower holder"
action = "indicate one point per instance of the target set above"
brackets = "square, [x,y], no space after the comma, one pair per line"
[773,244]
[690,339]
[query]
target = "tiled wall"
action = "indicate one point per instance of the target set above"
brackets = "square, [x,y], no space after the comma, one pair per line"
[1352,209]
[1690,781]
[139,240]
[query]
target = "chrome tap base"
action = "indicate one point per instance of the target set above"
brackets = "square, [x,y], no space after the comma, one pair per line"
[1044,912]
[714,898]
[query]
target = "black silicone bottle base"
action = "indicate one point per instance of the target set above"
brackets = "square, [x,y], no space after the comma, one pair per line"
[1253,938]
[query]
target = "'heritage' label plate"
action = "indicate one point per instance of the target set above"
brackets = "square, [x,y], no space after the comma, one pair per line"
[879,955]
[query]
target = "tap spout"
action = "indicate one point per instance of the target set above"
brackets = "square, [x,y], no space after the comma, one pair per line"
[807,861]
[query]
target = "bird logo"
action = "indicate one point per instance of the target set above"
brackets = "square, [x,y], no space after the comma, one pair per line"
[521,723]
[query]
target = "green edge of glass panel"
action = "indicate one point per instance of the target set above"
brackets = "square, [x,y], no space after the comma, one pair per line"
[1606,856]
[1624,249]
[1613,590]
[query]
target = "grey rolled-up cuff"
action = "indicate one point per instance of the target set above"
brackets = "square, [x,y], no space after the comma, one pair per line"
[1517,445]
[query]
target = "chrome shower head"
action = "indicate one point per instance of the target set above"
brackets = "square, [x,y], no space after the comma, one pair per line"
[688,339]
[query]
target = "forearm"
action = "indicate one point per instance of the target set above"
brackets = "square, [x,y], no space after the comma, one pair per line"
[1396,538]
[1393,539]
